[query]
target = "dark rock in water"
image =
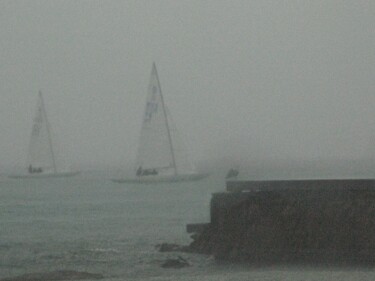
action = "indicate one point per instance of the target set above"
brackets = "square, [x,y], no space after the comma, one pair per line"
[167,247]
[194,236]
[175,263]
[55,276]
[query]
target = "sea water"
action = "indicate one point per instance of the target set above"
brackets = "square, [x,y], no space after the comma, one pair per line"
[92,224]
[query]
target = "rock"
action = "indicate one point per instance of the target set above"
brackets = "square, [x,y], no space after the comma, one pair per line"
[194,236]
[168,247]
[175,263]
[55,276]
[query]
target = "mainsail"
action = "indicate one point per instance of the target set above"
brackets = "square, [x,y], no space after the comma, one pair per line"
[160,151]
[41,157]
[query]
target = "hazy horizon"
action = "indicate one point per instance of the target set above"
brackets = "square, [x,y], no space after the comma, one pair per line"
[246,81]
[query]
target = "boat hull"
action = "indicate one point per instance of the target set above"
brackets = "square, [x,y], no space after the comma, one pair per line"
[162,179]
[45,175]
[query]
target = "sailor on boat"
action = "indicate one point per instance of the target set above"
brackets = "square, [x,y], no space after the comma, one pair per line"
[34,170]
[145,172]
[232,173]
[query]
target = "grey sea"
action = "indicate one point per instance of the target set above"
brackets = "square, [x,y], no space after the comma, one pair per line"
[88,223]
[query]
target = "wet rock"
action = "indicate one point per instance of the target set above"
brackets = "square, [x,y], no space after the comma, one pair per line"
[175,263]
[194,236]
[55,276]
[170,247]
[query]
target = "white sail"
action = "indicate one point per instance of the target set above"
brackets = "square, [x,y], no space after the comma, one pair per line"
[162,156]
[41,159]
[155,148]
[41,156]
[161,152]
[183,163]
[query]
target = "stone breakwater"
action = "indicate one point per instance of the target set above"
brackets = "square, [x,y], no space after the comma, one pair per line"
[323,222]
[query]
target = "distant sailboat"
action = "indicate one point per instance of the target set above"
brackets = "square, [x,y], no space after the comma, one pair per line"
[162,156]
[41,159]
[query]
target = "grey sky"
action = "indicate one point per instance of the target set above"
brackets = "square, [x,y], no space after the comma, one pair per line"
[243,79]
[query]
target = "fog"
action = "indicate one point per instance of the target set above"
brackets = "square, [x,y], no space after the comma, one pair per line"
[246,81]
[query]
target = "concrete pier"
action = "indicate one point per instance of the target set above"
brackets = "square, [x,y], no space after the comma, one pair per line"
[299,221]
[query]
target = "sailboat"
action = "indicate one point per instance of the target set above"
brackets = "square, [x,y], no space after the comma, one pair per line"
[162,156]
[41,161]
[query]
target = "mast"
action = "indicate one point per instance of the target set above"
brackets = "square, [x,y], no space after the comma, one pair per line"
[48,132]
[166,121]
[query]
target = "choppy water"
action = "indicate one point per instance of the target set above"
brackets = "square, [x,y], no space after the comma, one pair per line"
[95,225]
